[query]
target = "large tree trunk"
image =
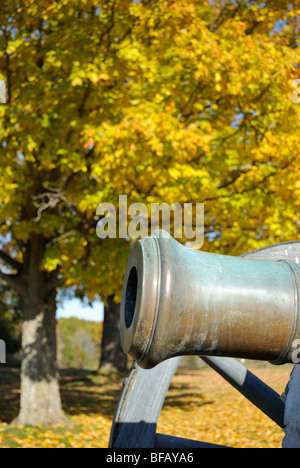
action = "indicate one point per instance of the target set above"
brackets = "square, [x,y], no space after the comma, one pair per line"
[112,355]
[40,397]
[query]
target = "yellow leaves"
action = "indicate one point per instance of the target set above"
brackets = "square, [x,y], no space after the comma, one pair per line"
[14,45]
[175,173]
[94,72]
[135,102]
[94,78]
[77,81]
[168,108]
[88,432]
[216,413]
[103,77]
[31,144]
[218,77]
[69,282]
[199,405]
[50,264]
[130,53]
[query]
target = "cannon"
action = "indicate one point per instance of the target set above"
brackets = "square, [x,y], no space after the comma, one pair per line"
[177,301]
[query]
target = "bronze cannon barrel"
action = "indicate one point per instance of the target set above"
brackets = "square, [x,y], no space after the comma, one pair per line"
[178,301]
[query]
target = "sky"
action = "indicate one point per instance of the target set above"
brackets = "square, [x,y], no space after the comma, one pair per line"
[74,308]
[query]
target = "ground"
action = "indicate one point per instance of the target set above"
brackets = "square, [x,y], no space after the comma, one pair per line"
[200,405]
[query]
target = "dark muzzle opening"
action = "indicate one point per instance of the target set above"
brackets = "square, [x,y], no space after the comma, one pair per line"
[130,296]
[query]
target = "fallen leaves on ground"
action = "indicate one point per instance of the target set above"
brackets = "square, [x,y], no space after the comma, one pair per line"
[200,405]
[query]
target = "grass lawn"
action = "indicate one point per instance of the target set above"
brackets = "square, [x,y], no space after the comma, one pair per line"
[200,405]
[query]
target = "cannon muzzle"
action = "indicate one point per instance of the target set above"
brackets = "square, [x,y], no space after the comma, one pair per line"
[178,301]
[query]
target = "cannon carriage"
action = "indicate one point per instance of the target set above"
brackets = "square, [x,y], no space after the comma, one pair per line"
[177,302]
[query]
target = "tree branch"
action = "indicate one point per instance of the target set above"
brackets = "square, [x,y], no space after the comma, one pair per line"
[51,285]
[225,13]
[252,187]
[10,261]
[47,200]
[13,281]
[85,97]
[7,67]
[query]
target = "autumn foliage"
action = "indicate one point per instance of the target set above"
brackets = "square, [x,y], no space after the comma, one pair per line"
[163,101]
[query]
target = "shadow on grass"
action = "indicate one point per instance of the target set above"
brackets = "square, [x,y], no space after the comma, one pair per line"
[88,392]
[10,393]
[82,392]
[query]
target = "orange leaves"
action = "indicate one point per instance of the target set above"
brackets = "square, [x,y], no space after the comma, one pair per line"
[89,144]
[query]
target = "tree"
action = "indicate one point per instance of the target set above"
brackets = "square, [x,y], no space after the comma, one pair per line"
[78,343]
[186,101]
[112,355]
[10,319]
[46,157]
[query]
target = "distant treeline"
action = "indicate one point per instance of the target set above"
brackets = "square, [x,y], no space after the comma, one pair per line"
[78,343]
